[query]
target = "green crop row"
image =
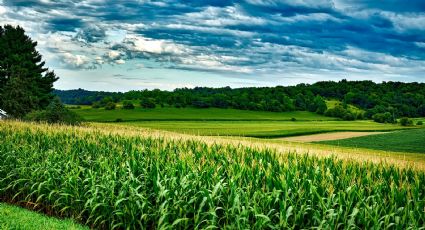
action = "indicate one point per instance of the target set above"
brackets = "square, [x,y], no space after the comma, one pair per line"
[141,182]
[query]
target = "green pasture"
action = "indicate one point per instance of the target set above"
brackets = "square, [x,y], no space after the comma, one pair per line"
[400,141]
[191,114]
[230,122]
[262,128]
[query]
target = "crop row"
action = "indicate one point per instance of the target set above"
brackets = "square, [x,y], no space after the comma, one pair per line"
[142,182]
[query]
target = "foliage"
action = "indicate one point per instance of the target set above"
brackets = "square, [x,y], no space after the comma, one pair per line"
[127,105]
[341,112]
[419,123]
[96,105]
[111,181]
[320,104]
[405,121]
[56,112]
[399,99]
[110,106]
[384,118]
[200,104]
[411,140]
[25,84]
[147,103]
[421,110]
[74,107]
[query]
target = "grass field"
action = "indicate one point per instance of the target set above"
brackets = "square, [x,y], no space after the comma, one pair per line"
[230,122]
[262,128]
[402,141]
[12,217]
[109,176]
[192,114]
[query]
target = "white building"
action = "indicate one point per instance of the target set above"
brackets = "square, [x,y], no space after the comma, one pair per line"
[3,114]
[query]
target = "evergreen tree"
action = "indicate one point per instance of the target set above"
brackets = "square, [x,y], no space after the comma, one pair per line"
[25,84]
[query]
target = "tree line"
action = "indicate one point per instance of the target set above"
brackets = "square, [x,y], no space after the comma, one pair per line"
[383,102]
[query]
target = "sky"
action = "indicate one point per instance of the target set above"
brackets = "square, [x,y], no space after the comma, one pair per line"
[114,45]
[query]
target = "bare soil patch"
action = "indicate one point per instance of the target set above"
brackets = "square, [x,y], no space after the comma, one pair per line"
[329,136]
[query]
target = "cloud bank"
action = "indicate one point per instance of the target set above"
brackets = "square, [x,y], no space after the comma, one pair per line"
[261,40]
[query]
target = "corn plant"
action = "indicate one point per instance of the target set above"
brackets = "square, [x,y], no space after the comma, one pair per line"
[114,181]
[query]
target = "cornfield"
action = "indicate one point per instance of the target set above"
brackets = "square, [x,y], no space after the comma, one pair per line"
[112,181]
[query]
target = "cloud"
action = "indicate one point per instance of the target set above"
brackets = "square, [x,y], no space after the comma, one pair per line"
[235,37]
[76,61]
[91,34]
[65,24]
[2,10]
[113,54]
[120,62]
[153,46]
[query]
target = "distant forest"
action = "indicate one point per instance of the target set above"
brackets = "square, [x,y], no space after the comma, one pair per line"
[386,100]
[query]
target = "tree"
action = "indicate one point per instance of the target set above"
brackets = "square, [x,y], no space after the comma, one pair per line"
[421,110]
[96,105]
[127,105]
[200,103]
[147,103]
[110,106]
[55,112]
[337,111]
[300,102]
[404,121]
[105,101]
[25,84]
[386,117]
[320,105]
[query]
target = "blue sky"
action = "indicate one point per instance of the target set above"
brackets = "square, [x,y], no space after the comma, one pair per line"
[145,44]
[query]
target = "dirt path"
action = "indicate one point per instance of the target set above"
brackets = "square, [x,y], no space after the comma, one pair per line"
[329,136]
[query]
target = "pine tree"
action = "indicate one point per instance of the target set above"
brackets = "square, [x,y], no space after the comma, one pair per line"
[25,84]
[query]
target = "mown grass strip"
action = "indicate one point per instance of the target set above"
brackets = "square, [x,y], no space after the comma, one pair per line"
[12,217]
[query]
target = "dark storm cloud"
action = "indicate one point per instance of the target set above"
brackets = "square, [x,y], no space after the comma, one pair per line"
[268,34]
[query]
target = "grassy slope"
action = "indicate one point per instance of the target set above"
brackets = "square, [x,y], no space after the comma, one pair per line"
[12,217]
[263,128]
[351,108]
[402,141]
[191,114]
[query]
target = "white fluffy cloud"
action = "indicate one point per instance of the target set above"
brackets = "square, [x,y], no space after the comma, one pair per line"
[76,60]
[120,62]
[113,54]
[2,10]
[142,44]
[251,38]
